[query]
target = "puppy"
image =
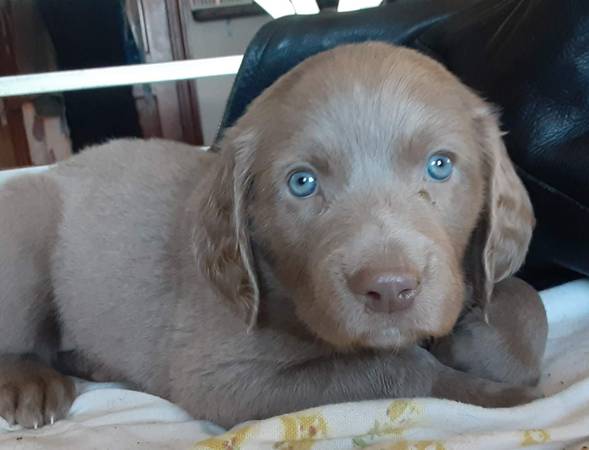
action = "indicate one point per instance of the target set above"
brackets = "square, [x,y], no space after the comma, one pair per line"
[355,209]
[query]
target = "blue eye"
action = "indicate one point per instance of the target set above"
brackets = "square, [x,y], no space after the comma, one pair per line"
[302,183]
[439,167]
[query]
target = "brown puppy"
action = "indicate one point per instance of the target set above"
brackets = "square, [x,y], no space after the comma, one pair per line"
[299,264]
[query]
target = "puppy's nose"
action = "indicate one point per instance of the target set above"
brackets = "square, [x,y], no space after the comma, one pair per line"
[385,291]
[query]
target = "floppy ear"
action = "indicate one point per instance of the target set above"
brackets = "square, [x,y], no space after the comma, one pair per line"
[225,252]
[508,217]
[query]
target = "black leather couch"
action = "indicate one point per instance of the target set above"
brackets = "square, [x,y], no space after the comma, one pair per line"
[530,57]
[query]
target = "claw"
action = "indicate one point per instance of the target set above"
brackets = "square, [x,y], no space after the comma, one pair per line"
[52,420]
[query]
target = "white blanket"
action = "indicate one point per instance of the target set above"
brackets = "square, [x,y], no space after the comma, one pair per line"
[110,417]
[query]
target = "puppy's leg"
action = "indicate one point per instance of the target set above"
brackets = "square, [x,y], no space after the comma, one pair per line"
[510,346]
[31,393]
[269,385]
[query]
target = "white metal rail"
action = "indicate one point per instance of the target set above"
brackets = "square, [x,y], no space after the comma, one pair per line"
[72,80]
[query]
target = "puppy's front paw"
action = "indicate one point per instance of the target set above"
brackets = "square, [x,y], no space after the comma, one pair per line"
[33,395]
[466,388]
[516,396]
[498,395]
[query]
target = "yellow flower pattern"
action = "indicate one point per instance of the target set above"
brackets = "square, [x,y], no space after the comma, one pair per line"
[415,445]
[534,437]
[393,425]
[401,414]
[301,430]
[228,441]
[404,412]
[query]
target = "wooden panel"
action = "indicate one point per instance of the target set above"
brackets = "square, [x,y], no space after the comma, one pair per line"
[187,96]
[16,152]
[7,153]
[18,134]
[158,28]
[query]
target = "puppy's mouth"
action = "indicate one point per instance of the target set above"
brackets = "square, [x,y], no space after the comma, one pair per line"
[381,303]
[390,332]
[389,339]
[381,327]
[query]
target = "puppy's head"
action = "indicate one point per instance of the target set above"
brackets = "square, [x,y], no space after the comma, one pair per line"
[355,186]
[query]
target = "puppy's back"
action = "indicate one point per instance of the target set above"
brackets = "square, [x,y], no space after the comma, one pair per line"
[114,260]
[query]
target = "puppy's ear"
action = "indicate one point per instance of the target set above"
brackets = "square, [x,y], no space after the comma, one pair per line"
[508,217]
[225,253]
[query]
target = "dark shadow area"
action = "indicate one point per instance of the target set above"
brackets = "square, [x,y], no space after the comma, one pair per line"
[88,34]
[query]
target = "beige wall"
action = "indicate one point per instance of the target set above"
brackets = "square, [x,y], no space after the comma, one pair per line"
[218,38]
